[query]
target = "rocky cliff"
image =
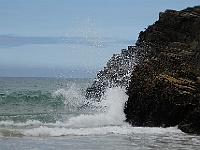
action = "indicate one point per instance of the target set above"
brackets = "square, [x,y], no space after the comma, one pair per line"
[165,84]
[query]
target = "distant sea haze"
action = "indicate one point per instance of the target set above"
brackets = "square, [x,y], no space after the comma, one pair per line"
[16,41]
[54,72]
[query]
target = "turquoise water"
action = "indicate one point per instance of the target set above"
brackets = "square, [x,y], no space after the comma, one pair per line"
[42,99]
[52,113]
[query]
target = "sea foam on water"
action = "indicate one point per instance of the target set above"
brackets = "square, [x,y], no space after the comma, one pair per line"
[107,117]
[113,102]
[102,122]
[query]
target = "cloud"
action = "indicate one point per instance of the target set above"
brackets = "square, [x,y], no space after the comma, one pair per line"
[15,41]
[97,42]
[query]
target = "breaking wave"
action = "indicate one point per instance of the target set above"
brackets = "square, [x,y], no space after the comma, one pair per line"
[65,112]
[102,117]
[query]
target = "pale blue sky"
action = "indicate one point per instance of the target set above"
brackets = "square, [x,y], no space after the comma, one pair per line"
[71,38]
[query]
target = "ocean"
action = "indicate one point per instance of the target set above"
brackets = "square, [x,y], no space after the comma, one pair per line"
[52,113]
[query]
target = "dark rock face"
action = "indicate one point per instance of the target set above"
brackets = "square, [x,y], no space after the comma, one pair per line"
[165,84]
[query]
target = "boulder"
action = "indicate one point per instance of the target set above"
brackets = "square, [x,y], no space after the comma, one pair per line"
[165,84]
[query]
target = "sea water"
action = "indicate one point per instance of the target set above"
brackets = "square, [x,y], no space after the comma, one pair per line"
[52,113]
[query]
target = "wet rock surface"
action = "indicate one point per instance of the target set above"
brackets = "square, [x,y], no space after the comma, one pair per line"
[165,84]
[116,73]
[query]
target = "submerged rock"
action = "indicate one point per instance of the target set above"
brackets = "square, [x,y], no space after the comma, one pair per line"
[165,84]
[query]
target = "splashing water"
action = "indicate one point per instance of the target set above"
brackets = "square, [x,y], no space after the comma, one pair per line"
[62,111]
[113,102]
[72,97]
[36,109]
[109,114]
[32,108]
[106,120]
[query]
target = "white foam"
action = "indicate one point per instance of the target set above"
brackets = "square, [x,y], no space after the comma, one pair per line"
[72,96]
[45,131]
[113,101]
[28,123]
[120,130]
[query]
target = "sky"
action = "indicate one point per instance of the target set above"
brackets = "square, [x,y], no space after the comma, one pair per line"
[71,38]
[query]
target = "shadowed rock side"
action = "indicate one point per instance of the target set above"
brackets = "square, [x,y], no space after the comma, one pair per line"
[165,84]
